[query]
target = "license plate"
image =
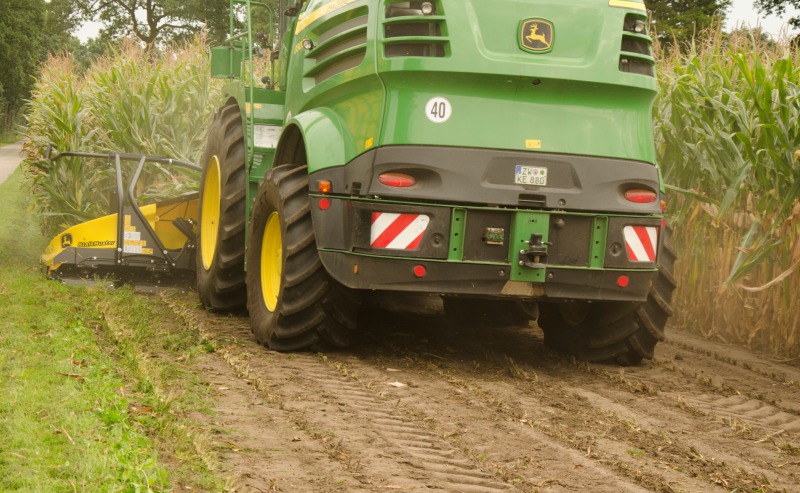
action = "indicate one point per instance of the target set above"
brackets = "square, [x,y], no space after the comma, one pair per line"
[530,175]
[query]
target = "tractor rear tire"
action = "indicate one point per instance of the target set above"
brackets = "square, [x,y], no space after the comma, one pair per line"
[488,313]
[293,303]
[619,332]
[221,239]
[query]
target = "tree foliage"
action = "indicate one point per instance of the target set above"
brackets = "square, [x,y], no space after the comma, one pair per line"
[681,20]
[778,7]
[29,29]
[153,21]
[20,47]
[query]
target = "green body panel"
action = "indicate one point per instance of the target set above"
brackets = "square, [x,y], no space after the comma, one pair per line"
[573,99]
[352,100]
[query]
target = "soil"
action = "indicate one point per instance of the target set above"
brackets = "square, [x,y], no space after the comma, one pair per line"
[420,405]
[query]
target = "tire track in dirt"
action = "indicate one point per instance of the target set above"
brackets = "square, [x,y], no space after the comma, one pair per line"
[427,452]
[495,411]
[699,442]
[380,447]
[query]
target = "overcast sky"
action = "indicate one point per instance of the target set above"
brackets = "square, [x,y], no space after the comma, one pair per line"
[742,12]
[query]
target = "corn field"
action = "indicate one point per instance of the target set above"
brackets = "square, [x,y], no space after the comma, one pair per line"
[128,101]
[728,140]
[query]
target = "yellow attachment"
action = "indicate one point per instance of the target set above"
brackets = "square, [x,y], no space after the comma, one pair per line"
[271,261]
[209,218]
[101,233]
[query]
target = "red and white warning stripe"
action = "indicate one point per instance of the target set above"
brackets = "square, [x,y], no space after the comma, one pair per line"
[641,242]
[397,231]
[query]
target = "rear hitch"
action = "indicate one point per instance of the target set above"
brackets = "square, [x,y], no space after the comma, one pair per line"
[535,257]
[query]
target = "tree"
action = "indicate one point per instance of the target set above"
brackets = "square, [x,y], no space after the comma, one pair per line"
[29,30]
[154,21]
[20,53]
[681,20]
[778,7]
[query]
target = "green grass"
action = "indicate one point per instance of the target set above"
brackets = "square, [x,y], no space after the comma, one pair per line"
[95,385]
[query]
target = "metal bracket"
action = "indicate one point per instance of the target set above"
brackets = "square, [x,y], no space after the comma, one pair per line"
[535,257]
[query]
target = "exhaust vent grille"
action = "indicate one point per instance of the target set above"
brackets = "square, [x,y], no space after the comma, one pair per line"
[636,55]
[410,32]
[340,48]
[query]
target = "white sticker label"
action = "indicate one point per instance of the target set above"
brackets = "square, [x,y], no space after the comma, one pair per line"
[267,136]
[133,235]
[438,110]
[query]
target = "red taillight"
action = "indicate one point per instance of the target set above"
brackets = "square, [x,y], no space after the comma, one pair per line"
[324,204]
[641,196]
[401,180]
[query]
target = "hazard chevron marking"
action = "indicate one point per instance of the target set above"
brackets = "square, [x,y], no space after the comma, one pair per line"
[397,231]
[641,242]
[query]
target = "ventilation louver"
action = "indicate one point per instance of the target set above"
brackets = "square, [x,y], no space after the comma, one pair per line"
[637,48]
[410,32]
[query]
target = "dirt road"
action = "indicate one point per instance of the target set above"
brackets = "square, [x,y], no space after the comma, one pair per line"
[9,159]
[419,406]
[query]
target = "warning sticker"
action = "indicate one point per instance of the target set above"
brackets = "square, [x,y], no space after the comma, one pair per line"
[267,136]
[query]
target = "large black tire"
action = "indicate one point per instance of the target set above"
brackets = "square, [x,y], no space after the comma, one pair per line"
[221,239]
[488,313]
[293,303]
[619,332]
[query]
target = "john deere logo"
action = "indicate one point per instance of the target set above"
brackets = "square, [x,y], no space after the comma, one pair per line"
[66,240]
[536,35]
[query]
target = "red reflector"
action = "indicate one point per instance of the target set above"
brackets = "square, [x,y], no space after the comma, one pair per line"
[623,281]
[641,196]
[420,271]
[324,204]
[401,180]
[324,186]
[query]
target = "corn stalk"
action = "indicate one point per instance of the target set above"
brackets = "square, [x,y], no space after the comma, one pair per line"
[728,140]
[128,101]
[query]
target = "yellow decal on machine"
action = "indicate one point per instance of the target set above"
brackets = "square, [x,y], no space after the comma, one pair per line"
[533,144]
[627,4]
[96,244]
[308,18]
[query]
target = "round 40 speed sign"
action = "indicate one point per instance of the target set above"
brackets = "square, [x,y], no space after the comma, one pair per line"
[438,110]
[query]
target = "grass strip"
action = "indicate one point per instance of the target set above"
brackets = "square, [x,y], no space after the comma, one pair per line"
[94,395]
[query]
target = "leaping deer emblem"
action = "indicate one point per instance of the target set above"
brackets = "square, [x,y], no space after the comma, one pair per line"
[534,37]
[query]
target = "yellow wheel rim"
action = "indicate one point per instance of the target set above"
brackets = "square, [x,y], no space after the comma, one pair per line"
[209,222]
[271,261]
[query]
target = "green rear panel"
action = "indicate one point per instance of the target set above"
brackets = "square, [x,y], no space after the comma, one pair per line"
[572,98]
